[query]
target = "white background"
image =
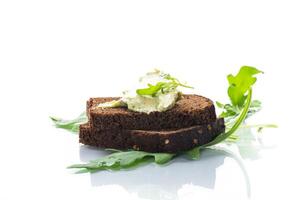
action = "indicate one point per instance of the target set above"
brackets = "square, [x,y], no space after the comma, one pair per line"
[54,55]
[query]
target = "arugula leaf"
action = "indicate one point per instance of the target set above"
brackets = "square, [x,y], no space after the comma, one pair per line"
[129,159]
[193,154]
[236,125]
[175,80]
[162,158]
[163,87]
[240,84]
[123,160]
[70,125]
[151,90]
[229,110]
[230,113]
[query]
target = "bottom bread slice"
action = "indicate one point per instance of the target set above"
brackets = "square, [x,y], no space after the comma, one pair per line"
[170,141]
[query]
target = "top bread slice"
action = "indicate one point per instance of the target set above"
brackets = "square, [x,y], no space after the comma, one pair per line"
[189,110]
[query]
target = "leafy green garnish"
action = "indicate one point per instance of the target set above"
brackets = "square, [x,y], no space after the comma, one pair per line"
[170,84]
[70,125]
[129,159]
[230,111]
[236,125]
[123,160]
[238,87]
[152,89]
[193,154]
[240,84]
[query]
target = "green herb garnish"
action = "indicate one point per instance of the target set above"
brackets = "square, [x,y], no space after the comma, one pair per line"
[193,154]
[170,84]
[70,125]
[235,126]
[123,160]
[239,85]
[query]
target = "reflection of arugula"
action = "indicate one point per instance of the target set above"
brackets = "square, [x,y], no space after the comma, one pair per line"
[241,107]
[230,154]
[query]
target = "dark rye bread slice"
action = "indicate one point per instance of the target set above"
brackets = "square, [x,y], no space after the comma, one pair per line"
[189,110]
[171,141]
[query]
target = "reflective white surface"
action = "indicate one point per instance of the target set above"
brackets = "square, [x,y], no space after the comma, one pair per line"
[168,181]
[54,55]
[154,181]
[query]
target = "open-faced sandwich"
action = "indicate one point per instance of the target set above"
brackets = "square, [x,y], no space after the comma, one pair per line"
[156,118]
[157,122]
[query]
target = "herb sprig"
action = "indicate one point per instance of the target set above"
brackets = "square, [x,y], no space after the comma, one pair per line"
[236,125]
[237,90]
[70,125]
[170,84]
[123,160]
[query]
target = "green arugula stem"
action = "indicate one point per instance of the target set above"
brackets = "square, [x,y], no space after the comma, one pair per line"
[236,125]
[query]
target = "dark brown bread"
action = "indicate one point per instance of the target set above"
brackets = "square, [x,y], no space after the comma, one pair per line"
[171,141]
[188,111]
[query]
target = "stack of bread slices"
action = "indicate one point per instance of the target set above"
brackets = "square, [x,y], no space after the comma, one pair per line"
[190,123]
